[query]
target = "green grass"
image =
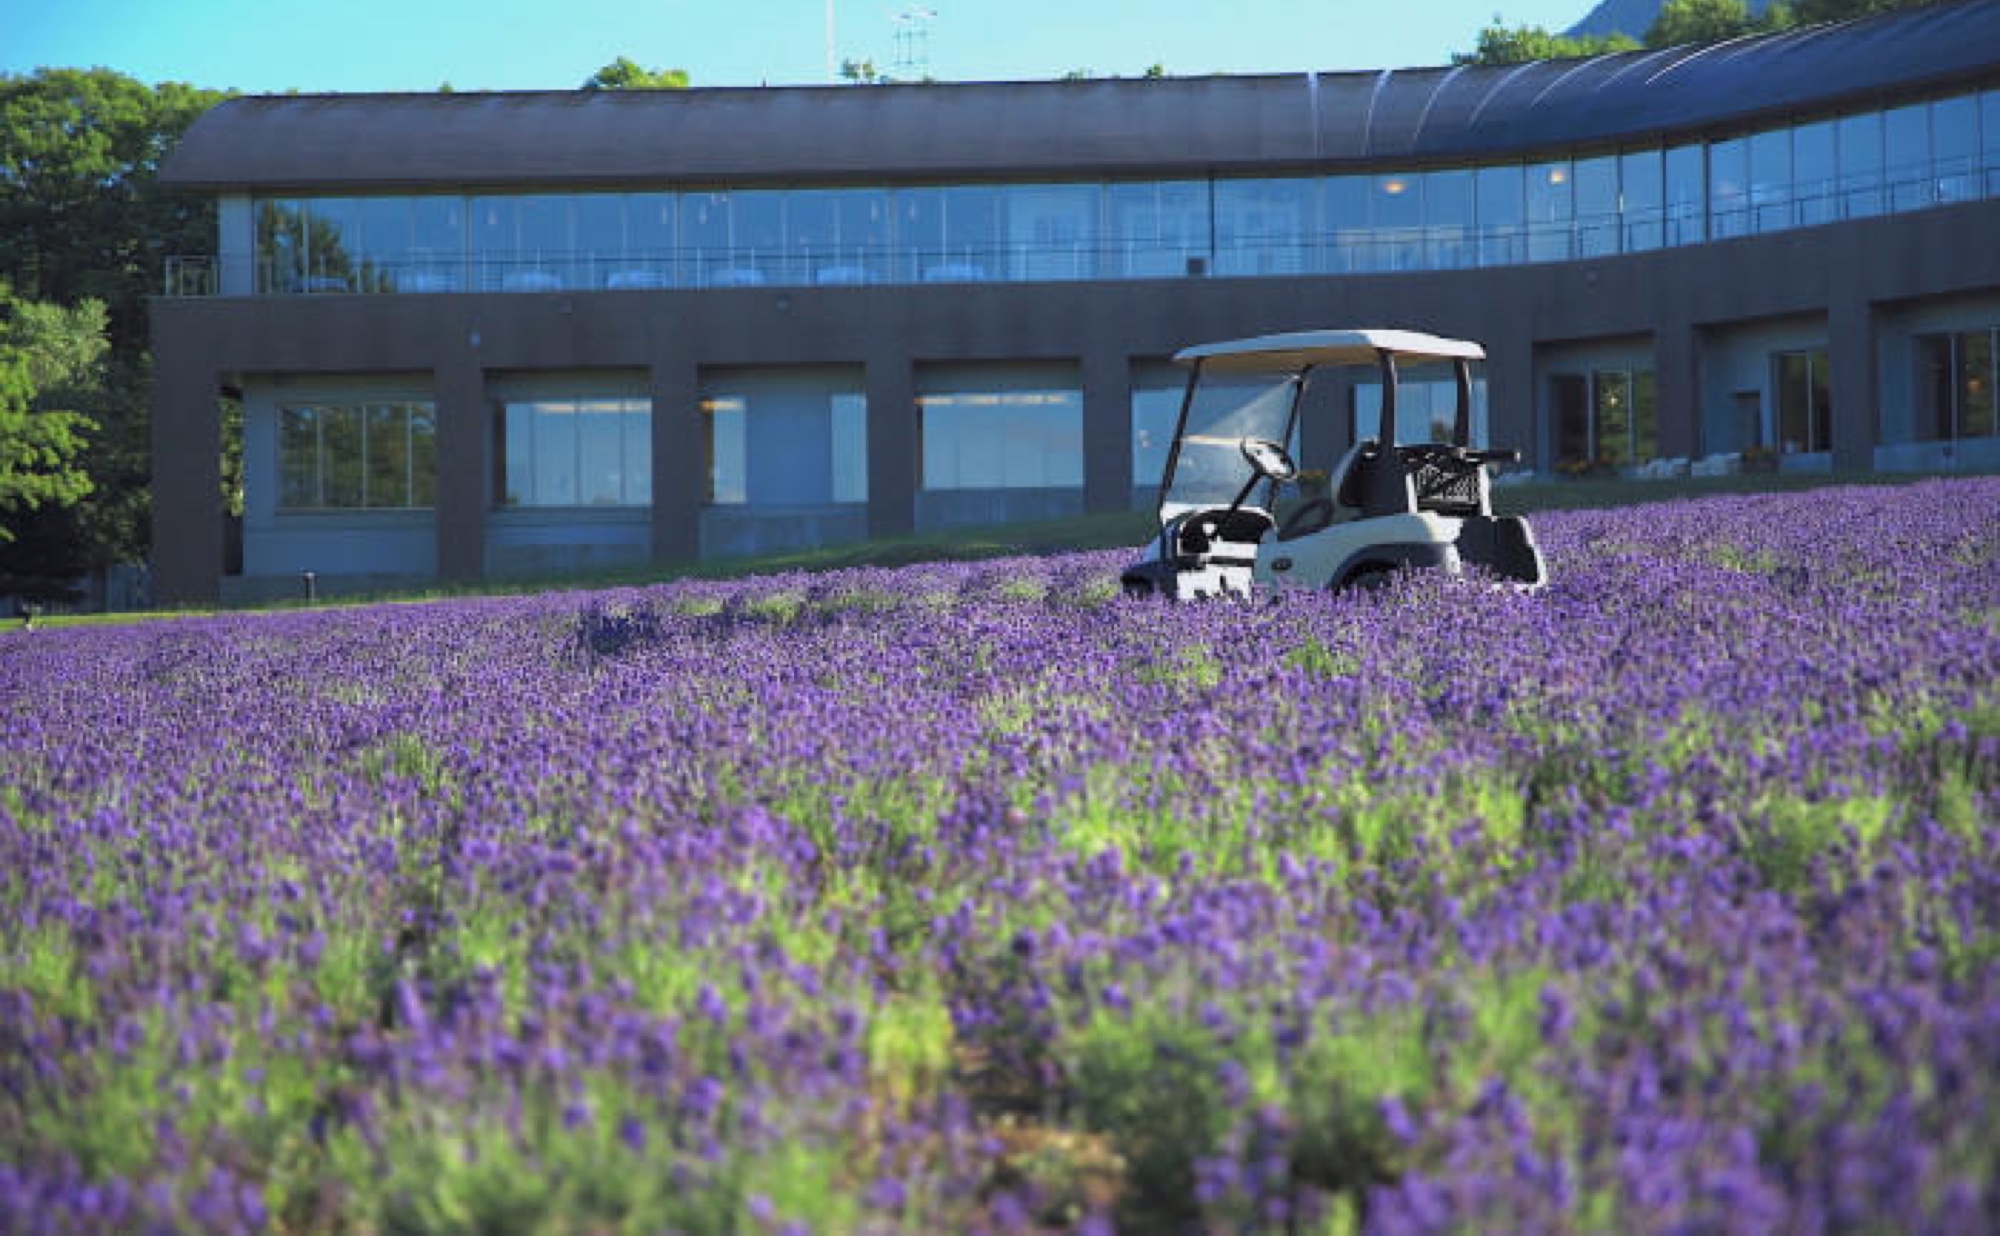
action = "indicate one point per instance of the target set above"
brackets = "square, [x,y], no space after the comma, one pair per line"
[1118,529]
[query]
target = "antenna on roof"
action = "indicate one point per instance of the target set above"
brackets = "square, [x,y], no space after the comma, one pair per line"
[832,69]
[913,42]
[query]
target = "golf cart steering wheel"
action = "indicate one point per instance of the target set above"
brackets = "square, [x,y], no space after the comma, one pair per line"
[1268,458]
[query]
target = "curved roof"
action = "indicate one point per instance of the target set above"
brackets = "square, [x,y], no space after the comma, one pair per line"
[1174,126]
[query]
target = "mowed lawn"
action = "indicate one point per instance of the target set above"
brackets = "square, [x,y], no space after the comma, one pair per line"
[974,896]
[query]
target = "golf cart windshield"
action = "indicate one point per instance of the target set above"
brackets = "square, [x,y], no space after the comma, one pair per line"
[1208,467]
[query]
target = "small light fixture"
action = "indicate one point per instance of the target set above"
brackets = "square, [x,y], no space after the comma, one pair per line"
[1394,185]
[1558,175]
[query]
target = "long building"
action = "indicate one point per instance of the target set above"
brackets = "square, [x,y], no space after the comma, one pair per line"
[476,335]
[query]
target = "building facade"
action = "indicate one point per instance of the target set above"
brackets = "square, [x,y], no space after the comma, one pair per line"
[479,335]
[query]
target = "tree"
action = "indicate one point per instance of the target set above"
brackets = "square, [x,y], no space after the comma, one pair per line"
[47,354]
[1502,44]
[626,74]
[1700,21]
[82,213]
[863,73]
[85,223]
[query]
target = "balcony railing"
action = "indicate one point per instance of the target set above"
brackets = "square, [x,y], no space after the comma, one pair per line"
[1342,250]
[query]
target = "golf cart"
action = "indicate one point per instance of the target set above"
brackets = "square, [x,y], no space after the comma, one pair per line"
[1387,506]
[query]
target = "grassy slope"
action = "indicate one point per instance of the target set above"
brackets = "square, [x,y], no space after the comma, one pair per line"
[1083,532]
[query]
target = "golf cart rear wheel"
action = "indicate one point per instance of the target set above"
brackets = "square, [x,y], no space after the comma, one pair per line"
[1372,577]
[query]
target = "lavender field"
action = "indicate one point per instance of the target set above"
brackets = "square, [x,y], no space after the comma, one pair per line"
[977,897]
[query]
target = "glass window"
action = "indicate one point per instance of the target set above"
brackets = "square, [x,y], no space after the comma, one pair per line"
[1426,406]
[575,452]
[1687,195]
[1642,199]
[298,458]
[1001,439]
[637,461]
[1611,416]
[423,455]
[1805,409]
[356,456]
[1976,379]
[840,236]
[1813,167]
[1597,224]
[1645,416]
[723,421]
[281,245]
[1352,247]
[1860,158]
[1395,219]
[1934,412]
[1569,409]
[949,234]
[1264,227]
[1448,219]
[552,453]
[849,414]
[715,252]
[647,260]
[1906,137]
[1955,148]
[1049,231]
[342,465]
[384,245]
[332,245]
[1158,229]
[437,246]
[1989,140]
[1955,396]
[1500,202]
[598,221]
[1551,212]
[600,453]
[387,479]
[1728,189]
[1154,410]
[1771,180]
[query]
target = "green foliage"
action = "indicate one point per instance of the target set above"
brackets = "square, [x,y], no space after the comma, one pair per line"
[39,447]
[1502,44]
[84,220]
[82,215]
[863,73]
[1711,21]
[625,73]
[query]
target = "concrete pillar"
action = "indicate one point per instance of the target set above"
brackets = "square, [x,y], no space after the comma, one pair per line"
[680,456]
[893,465]
[187,476]
[1510,395]
[1853,356]
[464,463]
[1677,388]
[1107,431]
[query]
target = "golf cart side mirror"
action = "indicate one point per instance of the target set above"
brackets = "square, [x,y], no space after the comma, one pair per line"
[1269,459]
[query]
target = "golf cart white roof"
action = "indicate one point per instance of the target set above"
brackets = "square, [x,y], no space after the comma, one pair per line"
[1299,348]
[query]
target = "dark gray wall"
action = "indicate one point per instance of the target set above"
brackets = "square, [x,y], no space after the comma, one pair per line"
[1841,271]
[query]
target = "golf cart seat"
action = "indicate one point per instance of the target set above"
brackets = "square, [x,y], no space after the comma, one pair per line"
[1376,482]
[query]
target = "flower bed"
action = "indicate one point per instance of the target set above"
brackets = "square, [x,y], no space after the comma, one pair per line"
[976,896]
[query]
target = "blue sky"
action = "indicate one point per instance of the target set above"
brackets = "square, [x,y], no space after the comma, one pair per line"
[356,45]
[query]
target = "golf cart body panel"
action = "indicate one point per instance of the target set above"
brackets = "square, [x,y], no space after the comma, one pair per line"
[1388,507]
